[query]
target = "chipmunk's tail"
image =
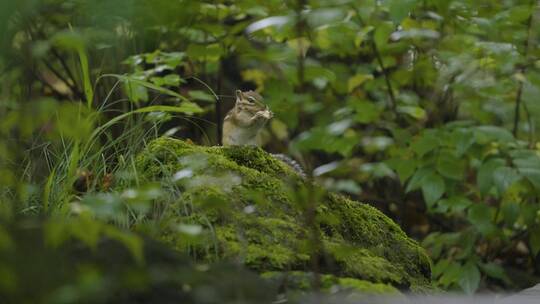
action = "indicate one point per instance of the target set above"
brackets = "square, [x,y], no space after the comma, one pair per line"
[291,163]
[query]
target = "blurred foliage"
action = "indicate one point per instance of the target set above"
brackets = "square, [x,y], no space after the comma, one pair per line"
[426,109]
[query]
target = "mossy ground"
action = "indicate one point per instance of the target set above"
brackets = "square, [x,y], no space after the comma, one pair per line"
[254,207]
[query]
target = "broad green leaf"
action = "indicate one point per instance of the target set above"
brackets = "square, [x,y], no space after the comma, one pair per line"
[433,188]
[504,177]
[494,271]
[488,134]
[510,212]
[481,216]
[382,34]
[463,139]
[6,243]
[399,9]
[132,242]
[469,278]
[300,45]
[425,143]
[450,165]
[135,91]
[484,177]
[169,80]
[413,111]
[418,178]
[451,275]
[211,52]
[403,167]
[202,96]
[530,168]
[534,240]
[519,13]
[86,230]
[358,80]
[453,204]
[366,112]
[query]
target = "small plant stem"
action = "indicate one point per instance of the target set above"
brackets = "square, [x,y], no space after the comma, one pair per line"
[393,102]
[523,70]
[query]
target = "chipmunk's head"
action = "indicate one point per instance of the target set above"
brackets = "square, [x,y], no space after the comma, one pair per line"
[250,101]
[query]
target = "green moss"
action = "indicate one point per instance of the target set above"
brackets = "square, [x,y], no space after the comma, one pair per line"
[299,280]
[252,203]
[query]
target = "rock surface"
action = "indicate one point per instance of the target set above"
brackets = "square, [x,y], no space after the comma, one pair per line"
[254,210]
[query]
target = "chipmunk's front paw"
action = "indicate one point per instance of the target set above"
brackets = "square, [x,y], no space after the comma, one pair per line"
[266,114]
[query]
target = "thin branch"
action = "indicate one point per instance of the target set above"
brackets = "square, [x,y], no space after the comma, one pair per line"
[393,102]
[518,106]
[59,57]
[385,74]
[63,79]
[530,122]
[523,70]
[47,84]
[219,115]
[300,28]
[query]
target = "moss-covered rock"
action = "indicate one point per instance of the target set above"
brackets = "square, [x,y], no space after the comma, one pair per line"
[258,211]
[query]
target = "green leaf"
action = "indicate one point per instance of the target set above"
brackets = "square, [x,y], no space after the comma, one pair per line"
[519,13]
[481,216]
[530,168]
[413,111]
[403,167]
[85,70]
[366,112]
[135,92]
[210,52]
[494,271]
[433,188]
[132,242]
[463,139]
[453,204]
[399,9]
[469,278]
[202,96]
[484,178]
[425,143]
[510,212]
[534,240]
[418,178]
[449,165]
[504,177]
[358,80]
[451,275]
[488,134]
[169,80]
[382,34]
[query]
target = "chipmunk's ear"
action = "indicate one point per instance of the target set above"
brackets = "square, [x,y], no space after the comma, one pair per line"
[239,95]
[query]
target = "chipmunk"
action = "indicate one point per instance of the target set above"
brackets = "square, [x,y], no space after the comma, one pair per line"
[245,120]
[243,123]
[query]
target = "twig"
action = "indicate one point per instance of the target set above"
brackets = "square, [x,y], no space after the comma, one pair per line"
[218,105]
[63,79]
[393,102]
[300,25]
[59,57]
[385,74]
[523,70]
